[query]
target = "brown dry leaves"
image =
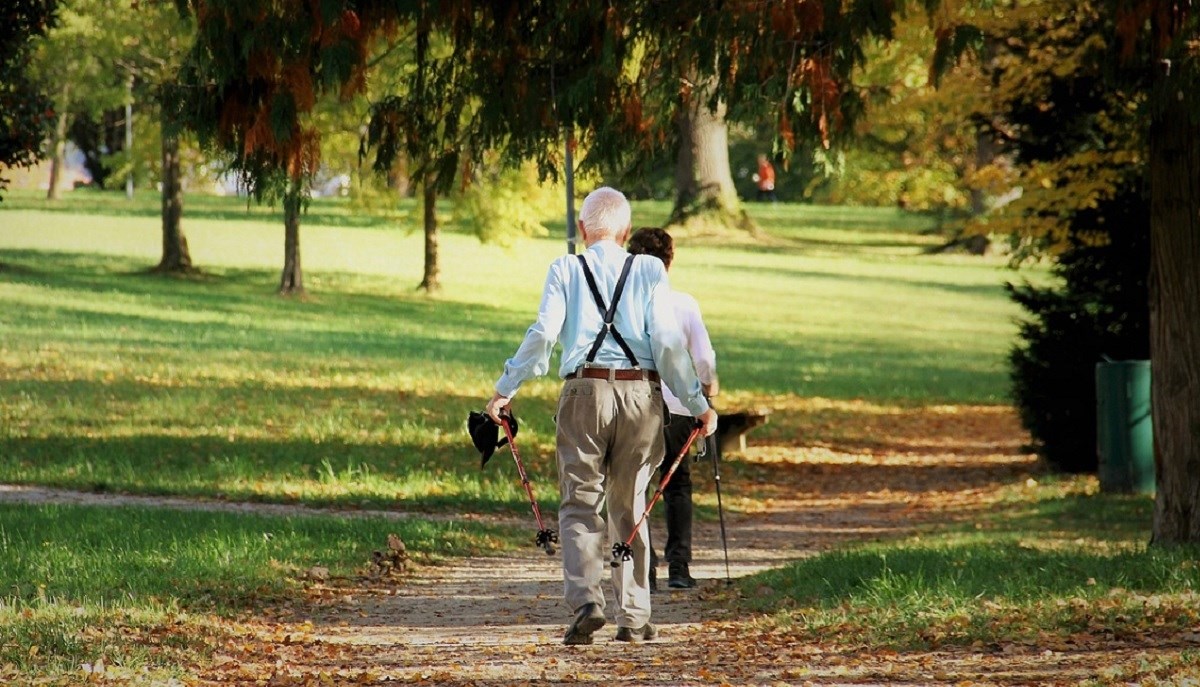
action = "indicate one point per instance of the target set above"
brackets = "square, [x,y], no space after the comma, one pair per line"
[844,471]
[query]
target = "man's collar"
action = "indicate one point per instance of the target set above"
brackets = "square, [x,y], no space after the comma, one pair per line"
[605,245]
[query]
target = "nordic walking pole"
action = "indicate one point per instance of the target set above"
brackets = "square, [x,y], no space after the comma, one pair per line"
[623,551]
[714,450]
[546,538]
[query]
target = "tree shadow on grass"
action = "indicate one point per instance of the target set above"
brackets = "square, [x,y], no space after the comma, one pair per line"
[221,312]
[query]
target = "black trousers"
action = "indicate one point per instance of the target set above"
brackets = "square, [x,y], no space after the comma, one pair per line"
[677,496]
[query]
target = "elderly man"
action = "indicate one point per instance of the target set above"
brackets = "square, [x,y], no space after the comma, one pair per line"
[612,313]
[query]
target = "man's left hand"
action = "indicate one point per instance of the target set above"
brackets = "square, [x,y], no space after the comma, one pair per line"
[494,406]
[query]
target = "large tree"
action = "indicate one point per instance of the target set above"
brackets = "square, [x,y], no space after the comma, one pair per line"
[704,190]
[1162,38]
[77,56]
[423,120]
[156,38]
[789,61]
[248,88]
[25,111]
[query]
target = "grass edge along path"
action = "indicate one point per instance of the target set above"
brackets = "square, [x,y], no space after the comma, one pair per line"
[1059,569]
[149,590]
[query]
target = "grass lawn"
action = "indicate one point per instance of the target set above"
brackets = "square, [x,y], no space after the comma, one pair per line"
[357,396]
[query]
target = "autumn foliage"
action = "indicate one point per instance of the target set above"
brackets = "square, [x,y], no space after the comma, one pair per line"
[528,70]
[256,72]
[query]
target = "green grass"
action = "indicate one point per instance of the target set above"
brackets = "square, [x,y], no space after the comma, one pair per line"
[114,379]
[1059,563]
[66,570]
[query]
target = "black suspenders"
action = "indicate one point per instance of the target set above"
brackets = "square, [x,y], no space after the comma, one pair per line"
[609,311]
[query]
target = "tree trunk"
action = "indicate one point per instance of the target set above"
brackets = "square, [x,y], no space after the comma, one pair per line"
[704,190]
[129,138]
[58,145]
[292,281]
[175,254]
[432,280]
[1175,321]
[398,179]
[985,154]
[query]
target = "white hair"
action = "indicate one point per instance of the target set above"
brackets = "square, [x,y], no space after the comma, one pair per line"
[605,212]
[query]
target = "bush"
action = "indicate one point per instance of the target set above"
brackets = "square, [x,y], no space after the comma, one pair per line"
[1100,309]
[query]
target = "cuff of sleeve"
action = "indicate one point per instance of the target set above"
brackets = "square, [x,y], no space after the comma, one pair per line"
[506,388]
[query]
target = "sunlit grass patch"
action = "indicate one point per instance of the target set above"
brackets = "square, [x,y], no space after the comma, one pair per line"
[1058,568]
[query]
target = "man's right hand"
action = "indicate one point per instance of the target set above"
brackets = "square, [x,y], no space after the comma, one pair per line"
[495,407]
[709,418]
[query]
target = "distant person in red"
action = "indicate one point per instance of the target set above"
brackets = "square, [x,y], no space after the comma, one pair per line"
[765,178]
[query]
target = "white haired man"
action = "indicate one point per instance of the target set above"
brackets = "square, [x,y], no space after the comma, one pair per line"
[612,313]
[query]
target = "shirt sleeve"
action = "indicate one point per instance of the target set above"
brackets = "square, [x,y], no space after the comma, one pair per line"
[532,358]
[704,358]
[669,345]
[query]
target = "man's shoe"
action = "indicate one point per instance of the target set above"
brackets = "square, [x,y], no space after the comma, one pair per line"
[588,619]
[653,580]
[680,579]
[644,633]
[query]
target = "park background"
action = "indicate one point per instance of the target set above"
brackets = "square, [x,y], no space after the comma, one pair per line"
[921,313]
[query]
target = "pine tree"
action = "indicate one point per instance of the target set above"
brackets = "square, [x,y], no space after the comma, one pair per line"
[249,85]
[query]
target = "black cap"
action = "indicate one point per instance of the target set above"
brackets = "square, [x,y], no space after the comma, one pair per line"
[485,433]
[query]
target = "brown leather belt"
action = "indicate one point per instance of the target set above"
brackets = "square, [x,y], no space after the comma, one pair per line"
[614,374]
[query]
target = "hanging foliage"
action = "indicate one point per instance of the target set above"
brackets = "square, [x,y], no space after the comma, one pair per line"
[519,73]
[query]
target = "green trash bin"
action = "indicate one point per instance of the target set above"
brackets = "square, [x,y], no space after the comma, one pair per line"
[1124,432]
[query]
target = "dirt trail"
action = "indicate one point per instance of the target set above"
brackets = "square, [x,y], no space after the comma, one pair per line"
[499,620]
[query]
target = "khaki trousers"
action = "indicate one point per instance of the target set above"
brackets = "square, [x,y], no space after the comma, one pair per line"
[609,439]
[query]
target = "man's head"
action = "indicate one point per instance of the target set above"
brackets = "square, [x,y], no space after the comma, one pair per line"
[653,241]
[605,214]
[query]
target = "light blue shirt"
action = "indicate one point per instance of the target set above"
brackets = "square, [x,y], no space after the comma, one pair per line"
[569,315]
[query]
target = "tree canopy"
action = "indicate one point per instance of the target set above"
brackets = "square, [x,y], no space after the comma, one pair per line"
[530,70]
[25,112]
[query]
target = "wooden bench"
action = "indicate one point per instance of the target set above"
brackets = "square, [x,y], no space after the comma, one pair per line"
[733,427]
